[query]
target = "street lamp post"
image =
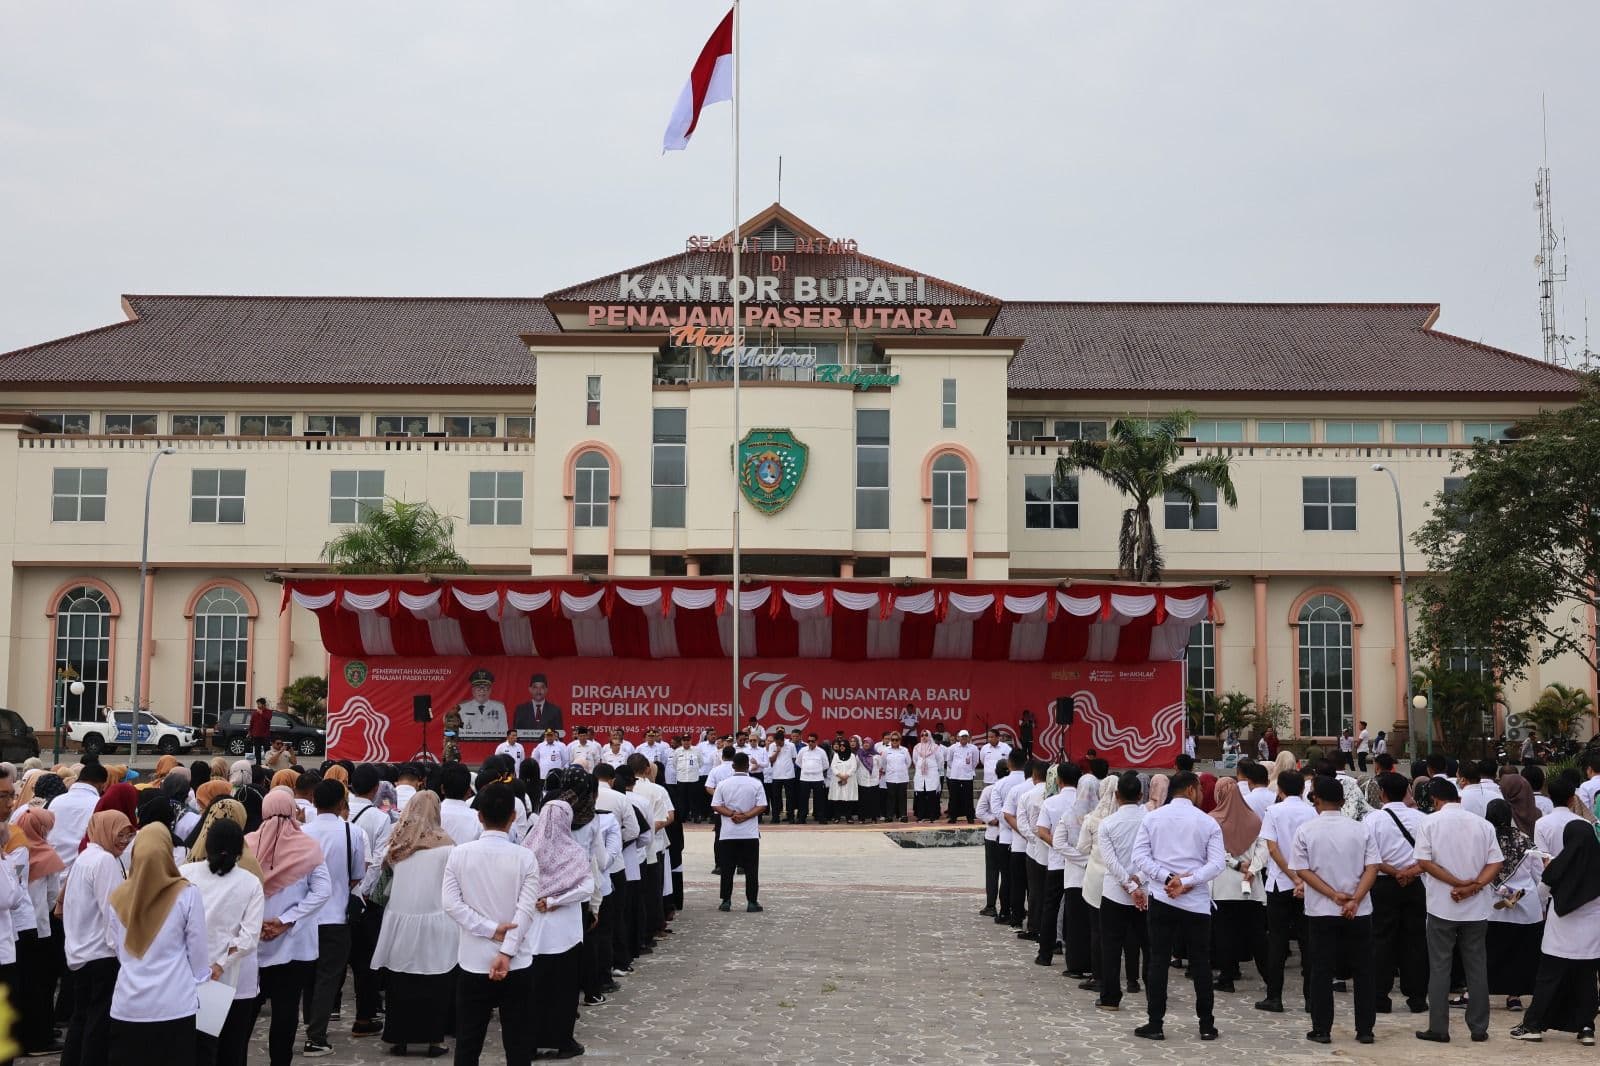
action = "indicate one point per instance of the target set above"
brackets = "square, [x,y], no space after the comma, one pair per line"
[1405,613]
[138,640]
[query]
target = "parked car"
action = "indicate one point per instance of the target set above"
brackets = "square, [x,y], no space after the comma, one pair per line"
[17,742]
[303,738]
[155,732]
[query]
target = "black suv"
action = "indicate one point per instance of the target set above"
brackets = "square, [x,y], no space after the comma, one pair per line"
[17,742]
[232,733]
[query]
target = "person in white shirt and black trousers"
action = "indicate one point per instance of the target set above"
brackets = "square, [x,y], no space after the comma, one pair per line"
[1399,906]
[739,801]
[344,852]
[1179,852]
[1338,862]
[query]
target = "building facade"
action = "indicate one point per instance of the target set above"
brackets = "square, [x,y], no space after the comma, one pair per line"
[591,432]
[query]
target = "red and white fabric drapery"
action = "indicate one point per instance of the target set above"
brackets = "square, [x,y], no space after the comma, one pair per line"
[694,618]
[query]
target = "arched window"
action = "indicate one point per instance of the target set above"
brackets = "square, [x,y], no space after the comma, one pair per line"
[949,492]
[591,491]
[220,655]
[83,650]
[1327,666]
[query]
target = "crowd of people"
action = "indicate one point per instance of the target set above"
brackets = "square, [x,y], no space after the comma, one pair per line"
[1460,883]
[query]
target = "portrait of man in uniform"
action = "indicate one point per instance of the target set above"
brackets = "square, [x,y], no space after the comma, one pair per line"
[480,717]
[538,713]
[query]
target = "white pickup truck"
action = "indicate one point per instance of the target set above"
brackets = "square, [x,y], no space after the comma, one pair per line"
[155,733]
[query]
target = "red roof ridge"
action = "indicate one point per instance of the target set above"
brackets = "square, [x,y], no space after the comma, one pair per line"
[1504,352]
[131,320]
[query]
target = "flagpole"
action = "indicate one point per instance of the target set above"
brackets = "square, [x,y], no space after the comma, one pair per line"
[738,349]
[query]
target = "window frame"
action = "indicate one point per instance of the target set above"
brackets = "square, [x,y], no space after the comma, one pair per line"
[1282,430]
[59,420]
[361,504]
[873,445]
[1060,428]
[267,417]
[592,395]
[78,495]
[98,636]
[1345,654]
[1209,430]
[948,477]
[591,490]
[412,424]
[1400,429]
[1328,434]
[473,423]
[200,639]
[664,442]
[1188,520]
[333,424]
[153,418]
[519,419]
[1202,638]
[498,501]
[947,403]
[216,497]
[1501,431]
[1329,506]
[1064,500]
[199,419]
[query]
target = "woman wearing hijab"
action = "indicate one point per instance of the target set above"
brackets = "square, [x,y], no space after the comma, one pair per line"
[927,768]
[1208,793]
[213,790]
[25,793]
[1239,892]
[1516,922]
[1519,794]
[229,810]
[91,954]
[1159,786]
[566,880]
[1564,994]
[186,819]
[40,957]
[234,903]
[1094,871]
[285,779]
[844,795]
[157,922]
[869,797]
[1284,760]
[122,798]
[239,773]
[419,944]
[164,766]
[221,768]
[296,883]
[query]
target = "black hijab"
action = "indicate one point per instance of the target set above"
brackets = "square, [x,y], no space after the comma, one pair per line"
[1574,875]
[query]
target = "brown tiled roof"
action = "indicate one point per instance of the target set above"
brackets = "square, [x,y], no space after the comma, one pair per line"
[295,340]
[1260,349]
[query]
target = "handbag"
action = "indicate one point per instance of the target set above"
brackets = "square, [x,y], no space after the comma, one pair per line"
[379,896]
[355,907]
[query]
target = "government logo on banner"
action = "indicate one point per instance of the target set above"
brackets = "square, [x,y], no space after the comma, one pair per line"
[772,463]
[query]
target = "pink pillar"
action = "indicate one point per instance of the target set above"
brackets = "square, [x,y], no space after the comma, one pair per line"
[142,697]
[1260,652]
[1399,656]
[285,648]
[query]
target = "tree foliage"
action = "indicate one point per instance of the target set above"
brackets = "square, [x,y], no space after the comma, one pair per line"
[1461,704]
[1558,710]
[1516,549]
[1140,459]
[307,697]
[397,538]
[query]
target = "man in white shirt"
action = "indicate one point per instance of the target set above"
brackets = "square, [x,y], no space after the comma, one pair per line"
[374,821]
[1035,854]
[1475,791]
[1017,843]
[1459,856]
[1179,849]
[781,792]
[654,748]
[1124,898]
[583,751]
[512,747]
[490,890]
[1399,906]
[456,816]
[961,766]
[660,815]
[1338,863]
[1013,883]
[344,852]
[739,802]
[551,755]
[993,857]
[993,750]
[1252,779]
[1548,829]
[811,763]
[895,765]
[1363,747]
[73,808]
[686,765]
[616,751]
[612,920]
[1057,826]
[1285,907]
[1586,791]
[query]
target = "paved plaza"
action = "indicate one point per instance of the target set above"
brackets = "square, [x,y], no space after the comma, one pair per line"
[872,953]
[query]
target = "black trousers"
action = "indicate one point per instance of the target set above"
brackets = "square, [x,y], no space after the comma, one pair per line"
[1075,931]
[1241,933]
[34,995]
[628,918]
[1171,927]
[612,918]
[231,1047]
[555,998]
[654,882]
[740,853]
[477,997]
[333,951]
[961,800]
[1122,932]
[1324,938]
[1286,918]
[282,986]
[1017,883]
[993,859]
[363,939]
[1568,979]
[1038,876]
[871,803]
[777,793]
[813,795]
[895,800]
[86,1041]
[152,1043]
[1400,938]
[1053,888]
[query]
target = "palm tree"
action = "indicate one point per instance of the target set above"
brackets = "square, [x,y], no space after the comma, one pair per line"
[397,538]
[1461,703]
[1139,458]
[1557,711]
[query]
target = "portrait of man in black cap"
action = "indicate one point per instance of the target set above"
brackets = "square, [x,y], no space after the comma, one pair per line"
[480,717]
[538,713]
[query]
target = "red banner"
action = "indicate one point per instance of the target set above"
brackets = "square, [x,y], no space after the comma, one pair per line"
[1131,714]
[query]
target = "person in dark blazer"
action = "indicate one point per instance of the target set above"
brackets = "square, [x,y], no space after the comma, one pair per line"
[538,714]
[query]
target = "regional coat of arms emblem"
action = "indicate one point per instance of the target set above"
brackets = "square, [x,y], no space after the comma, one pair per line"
[772,463]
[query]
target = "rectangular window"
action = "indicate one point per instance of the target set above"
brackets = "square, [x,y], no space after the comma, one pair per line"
[1080,429]
[1421,433]
[494,498]
[1329,503]
[1200,670]
[1049,504]
[78,494]
[872,469]
[591,399]
[353,494]
[519,427]
[1354,432]
[135,423]
[64,421]
[1181,516]
[1476,431]
[334,425]
[470,425]
[209,424]
[266,425]
[1213,431]
[1283,432]
[669,477]
[1024,428]
[216,496]
[399,425]
[948,406]
[949,493]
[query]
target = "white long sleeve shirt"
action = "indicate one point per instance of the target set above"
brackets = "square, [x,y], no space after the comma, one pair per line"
[487,883]
[1029,804]
[961,761]
[344,852]
[161,985]
[459,821]
[72,810]
[1180,839]
[985,813]
[1059,813]
[896,764]
[296,904]
[781,759]
[84,909]
[234,904]
[1118,831]
[1282,821]
[813,763]
[551,755]
[1547,831]
[990,754]
[1002,791]
[379,827]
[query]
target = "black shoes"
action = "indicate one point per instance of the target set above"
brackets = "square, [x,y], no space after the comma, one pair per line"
[753,907]
[987,912]
[1223,986]
[1319,1038]
[1149,1032]
[725,905]
[1430,1035]
[1364,1038]
[1208,1032]
[1274,1006]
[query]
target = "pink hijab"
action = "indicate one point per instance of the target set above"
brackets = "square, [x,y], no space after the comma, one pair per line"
[563,864]
[1159,786]
[285,853]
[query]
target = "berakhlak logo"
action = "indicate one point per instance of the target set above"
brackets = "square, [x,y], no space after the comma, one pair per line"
[355,673]
[788,703]
[357,731]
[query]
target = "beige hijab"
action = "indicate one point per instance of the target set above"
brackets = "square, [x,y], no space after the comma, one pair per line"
[144,900]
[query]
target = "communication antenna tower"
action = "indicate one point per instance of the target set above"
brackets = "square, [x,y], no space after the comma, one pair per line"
[1551,263]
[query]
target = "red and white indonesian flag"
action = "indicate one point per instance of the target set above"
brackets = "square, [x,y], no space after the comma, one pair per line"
[710,82]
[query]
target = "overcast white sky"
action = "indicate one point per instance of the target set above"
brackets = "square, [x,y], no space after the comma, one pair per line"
[1358,150]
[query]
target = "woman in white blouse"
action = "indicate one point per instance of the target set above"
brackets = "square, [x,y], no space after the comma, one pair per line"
[1094,870]
[234,905]
[158,921]
[869,800]
[1564,995]
[419,943]
[843,792]
[566,881]
[1239,892]
[40,958]
[91,953]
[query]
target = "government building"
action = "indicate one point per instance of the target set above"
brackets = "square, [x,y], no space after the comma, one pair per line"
[911,427]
